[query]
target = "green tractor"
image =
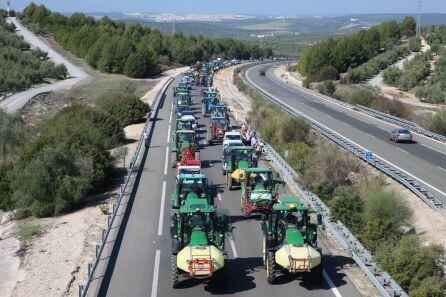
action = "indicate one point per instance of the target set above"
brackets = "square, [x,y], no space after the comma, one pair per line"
[190,186]
[183,98]
[184,145]
[237,157]
[184,124]
[180,88]
[290,240]
[198,242]
[260,188]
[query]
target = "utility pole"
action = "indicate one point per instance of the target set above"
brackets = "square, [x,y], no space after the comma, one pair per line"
[419,18]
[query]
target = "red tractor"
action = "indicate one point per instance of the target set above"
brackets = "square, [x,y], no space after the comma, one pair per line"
[217,129]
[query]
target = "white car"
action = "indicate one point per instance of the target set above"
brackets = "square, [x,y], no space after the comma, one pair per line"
[233,138]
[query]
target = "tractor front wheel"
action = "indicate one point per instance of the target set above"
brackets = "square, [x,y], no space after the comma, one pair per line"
[174,275]
[271,268]
[173,159]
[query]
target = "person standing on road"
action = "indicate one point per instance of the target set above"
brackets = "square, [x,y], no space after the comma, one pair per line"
[253,139]
[259,149]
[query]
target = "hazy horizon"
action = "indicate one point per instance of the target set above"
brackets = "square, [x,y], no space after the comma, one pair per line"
[246,7]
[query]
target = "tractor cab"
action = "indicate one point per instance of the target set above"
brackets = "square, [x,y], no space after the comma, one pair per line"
[181,88]
[238,157]
[184,124]
[189,118]
[217,129]
[183,98]
[208,104]
[182,109]
[290,245]
[184,147]
[198,233]
[191,186]
[219,110]
[260,189]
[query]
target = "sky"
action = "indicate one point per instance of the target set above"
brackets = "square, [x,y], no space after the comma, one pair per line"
[251,7]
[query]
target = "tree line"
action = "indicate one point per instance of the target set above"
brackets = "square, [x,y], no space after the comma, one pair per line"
[21,67]
[349,52]
[137,51]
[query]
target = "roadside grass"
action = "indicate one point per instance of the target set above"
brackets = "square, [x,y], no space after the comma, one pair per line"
[105,85]
[29,231]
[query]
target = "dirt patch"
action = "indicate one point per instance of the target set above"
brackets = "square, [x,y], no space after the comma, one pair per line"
[293,78]
[239,103]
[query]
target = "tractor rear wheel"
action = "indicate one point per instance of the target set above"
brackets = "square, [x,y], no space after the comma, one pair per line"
[271,267]
[173,159]
[174,275]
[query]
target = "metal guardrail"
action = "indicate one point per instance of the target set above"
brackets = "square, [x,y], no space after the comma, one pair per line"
[380,278]
[383,166]
[83,289]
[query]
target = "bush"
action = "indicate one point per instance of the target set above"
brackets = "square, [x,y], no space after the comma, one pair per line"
[437,122]
[391,75]
[125,108]
[430,287]
[297,152]
[415,44]
[385,213]
[410,263]
[327,88]
[53,181]
[13,135]
[6,202]
[348,208]
[328,166]
[363,95]
[328,73]
[393,107]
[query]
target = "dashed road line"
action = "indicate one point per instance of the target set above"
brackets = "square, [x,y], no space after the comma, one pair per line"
[156,272]
[163,200]
[168,133]
[234,251]
[166,162]
[330,284]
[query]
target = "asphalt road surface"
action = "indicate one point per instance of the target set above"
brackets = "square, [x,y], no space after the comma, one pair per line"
[140,262]
[424,159]
[17,101]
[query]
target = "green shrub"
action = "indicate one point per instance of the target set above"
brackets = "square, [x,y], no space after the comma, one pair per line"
[411,263]
[327,88]
[125,108]
[13,135]
[328,73]
[363,95]
[437,122]
[297,152]
[348,208]
[391,75]
[430,287]
[6,203]
[385,213]
[415,44]
[55,180]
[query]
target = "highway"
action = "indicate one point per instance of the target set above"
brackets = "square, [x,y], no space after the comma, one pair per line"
[140,262]
[17,101]
[424,160]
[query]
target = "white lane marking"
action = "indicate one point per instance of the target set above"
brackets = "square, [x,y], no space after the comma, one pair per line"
[371,135]
[168,133]
[234,251]
[313,108]
[348,125]
[166,161]
[170,118]
[330,284]
[377,156]
[444,153]
[163,201]
[403,150]
[156,272]
[441,168]
[219,196]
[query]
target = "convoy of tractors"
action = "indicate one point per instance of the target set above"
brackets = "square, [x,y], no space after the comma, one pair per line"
[198,228]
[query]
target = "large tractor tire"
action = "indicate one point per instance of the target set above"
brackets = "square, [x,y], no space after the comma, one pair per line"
[264,251]
[173,159]
[271,267]
[174,273]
